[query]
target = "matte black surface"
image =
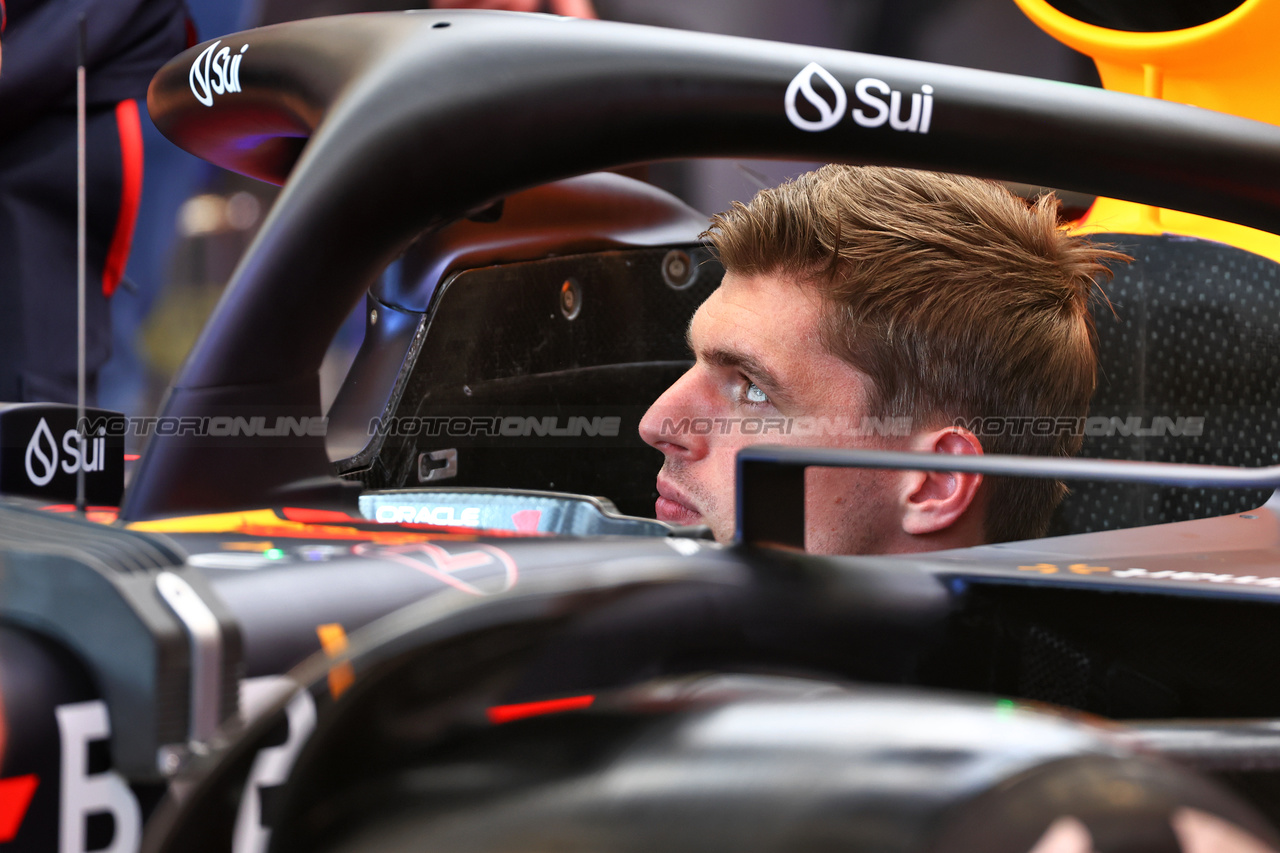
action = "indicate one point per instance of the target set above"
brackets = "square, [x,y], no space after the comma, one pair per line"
[770,504]
[833,770]
[371,379]
[1113,654]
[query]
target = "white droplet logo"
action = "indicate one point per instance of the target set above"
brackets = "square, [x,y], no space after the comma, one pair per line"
[41,439]
[215,72]
[802,84]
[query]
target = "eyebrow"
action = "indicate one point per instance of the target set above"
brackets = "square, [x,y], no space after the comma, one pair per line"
[746,363]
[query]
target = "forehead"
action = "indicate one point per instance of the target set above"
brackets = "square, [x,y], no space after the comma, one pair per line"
[752,301]
[753,312]
[768,328]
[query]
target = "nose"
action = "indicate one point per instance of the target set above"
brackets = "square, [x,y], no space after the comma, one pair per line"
[666,425]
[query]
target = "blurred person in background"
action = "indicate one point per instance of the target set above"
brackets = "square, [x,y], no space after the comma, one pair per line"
[127,40]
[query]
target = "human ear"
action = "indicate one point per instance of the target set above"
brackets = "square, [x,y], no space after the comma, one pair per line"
[937,500]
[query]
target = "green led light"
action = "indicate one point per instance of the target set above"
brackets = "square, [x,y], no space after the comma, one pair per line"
[1006,704]
[273,554]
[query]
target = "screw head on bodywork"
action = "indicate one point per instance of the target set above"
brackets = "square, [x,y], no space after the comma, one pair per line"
[678,270]
[169,759]
[570,298]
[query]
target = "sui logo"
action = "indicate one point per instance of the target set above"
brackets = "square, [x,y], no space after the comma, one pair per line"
[877,104]
[829,114]
[42,453]
[215,72]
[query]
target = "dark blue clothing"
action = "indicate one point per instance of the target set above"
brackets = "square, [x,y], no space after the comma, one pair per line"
[128,40]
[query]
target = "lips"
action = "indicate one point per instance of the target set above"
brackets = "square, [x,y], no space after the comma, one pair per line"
[673,506]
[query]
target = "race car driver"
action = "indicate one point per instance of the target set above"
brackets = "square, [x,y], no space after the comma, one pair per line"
[885,308]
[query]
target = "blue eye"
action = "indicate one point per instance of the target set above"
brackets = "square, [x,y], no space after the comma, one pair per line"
[755,395]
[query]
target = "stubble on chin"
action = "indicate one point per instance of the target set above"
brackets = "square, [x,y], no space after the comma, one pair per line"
[715,513]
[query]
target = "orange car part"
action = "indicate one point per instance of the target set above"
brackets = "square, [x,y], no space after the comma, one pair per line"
[1225,65]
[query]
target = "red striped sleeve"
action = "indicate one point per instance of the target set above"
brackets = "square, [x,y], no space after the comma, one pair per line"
[130,127]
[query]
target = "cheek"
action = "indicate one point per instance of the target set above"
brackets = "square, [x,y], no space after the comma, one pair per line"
[847,510]
[711,480]
[843,488]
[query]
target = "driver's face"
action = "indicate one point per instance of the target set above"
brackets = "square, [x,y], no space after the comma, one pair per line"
[762,375]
